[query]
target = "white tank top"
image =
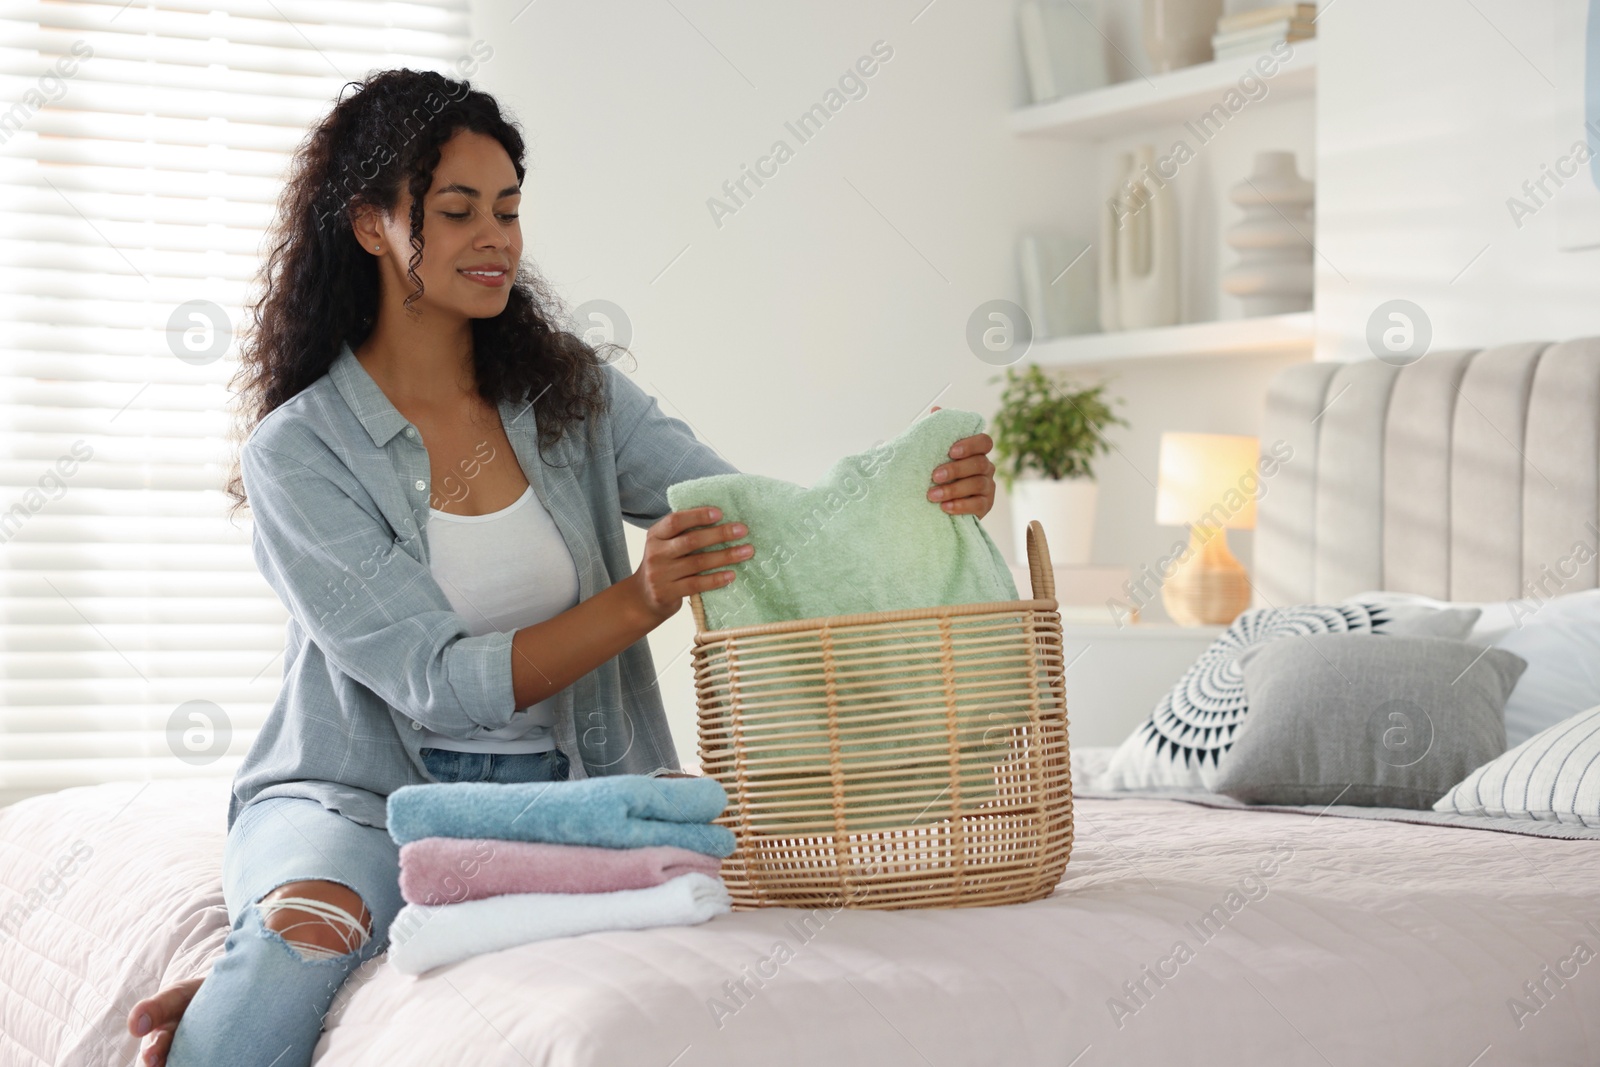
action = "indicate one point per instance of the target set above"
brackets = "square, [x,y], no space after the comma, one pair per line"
[503,571]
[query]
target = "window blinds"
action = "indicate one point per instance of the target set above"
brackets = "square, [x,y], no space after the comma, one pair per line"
[142,150]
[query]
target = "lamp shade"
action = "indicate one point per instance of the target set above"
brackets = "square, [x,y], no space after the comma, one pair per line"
[1209,479]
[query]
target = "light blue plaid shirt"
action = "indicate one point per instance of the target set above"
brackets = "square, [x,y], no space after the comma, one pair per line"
[338,483]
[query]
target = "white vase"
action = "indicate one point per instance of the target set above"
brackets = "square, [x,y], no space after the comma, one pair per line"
[1274,272]
[1147,249]
[1064,507]
[1177,33]
[1115,206]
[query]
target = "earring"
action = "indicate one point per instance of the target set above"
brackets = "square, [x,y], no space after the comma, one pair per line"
[376,247]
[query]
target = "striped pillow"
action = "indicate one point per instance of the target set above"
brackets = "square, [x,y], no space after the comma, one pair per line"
[1553,776]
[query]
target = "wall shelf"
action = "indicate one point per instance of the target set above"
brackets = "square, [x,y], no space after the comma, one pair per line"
[1162,99]
[1266,335]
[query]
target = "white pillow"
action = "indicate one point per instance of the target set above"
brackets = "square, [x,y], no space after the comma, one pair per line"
[1554,776]
[1561,642]
[1558,636]
[1499,616]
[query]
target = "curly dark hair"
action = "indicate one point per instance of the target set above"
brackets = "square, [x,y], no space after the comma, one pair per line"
[319,289]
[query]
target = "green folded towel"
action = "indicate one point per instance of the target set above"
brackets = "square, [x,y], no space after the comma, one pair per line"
[864,538]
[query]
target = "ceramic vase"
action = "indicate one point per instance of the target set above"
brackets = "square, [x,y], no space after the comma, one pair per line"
[1274,272]
[1177,33]
[1064,507]
[1147,249]
[1110,212]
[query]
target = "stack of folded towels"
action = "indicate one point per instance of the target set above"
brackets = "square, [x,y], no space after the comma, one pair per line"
[486,866]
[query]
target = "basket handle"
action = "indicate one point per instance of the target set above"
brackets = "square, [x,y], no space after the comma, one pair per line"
[1039,568]
[699,610]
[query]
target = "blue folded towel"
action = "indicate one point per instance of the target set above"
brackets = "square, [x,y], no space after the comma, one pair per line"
[615,811]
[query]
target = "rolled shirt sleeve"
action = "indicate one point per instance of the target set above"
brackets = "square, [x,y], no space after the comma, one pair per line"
[652,450]
[375,611]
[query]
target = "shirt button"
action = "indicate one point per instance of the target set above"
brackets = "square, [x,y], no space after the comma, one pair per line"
[416,725]
[411,432]
[421,485]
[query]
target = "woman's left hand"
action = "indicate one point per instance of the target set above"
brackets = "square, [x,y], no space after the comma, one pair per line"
[965,486]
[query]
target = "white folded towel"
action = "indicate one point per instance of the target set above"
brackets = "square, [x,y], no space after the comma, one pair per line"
[424,937]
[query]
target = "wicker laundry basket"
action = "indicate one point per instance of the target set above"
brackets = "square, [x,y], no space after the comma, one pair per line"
[896,759]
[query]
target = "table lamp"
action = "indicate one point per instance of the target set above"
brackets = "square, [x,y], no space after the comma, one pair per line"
[1208,482]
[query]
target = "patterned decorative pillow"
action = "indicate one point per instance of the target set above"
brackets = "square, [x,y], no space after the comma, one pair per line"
[1553,776]
[1181,743]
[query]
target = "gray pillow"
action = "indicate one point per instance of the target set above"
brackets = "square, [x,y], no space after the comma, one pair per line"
[1379,721]
[1183,742]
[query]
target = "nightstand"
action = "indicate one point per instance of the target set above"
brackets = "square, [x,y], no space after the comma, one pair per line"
[1115,674]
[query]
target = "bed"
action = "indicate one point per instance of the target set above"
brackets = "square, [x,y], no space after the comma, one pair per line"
[1182,931]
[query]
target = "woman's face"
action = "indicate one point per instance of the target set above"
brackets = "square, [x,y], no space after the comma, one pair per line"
[469,224]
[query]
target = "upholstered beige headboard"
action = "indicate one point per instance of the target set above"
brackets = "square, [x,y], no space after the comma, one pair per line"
[1463,476]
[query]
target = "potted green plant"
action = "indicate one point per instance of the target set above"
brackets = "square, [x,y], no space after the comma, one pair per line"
[1047,435]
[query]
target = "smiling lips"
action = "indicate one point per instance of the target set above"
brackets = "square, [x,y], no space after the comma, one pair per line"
[487,274]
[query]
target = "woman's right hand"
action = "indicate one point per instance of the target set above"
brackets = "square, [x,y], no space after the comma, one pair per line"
[672,564]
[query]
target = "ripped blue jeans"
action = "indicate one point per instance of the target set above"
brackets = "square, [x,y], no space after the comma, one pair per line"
[265,1002]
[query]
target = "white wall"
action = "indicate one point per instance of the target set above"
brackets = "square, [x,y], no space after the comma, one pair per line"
[1431,115]
[809,325]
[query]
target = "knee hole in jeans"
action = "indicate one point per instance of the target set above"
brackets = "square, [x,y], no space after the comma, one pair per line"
[319,920]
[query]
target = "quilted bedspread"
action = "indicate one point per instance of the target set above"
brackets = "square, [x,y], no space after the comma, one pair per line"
[1179,934]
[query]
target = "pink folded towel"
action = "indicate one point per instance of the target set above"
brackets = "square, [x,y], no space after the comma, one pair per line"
[448,870]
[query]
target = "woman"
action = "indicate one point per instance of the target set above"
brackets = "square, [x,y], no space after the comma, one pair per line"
[437,477]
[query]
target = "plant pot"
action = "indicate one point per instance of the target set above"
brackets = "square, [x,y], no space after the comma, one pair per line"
[1064,507]
[1177,33]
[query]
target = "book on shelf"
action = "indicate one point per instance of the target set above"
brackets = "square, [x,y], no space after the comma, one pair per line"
[1246,52]
[1245,20]
[1059,303]
[1254,47]
[1061,56]
[1290,29]
[1035,287]
[1249,51]
[1036,52]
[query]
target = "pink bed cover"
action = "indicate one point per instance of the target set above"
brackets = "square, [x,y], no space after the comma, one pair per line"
[1179,934]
